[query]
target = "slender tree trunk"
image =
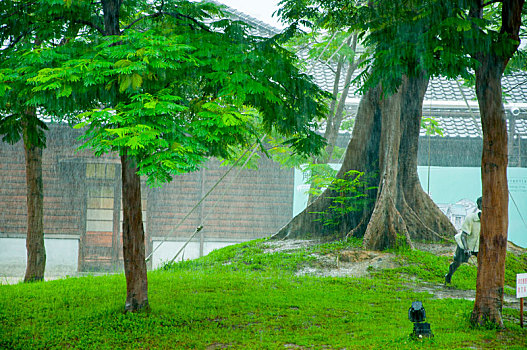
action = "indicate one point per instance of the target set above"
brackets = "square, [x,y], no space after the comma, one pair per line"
[331,123]
[383,146]
[111,10]
[337,105]
[494,218]
[334,95]
[36,251]
[337,114]
[133,231]
[133,239]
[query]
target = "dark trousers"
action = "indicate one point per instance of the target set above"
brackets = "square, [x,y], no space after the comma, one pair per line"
[459,258]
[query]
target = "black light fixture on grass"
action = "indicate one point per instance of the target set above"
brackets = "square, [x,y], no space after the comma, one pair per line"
[417,315]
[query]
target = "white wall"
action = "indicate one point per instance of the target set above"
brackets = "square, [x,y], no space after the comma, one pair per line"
[448,185]
[168,249]
[62,255]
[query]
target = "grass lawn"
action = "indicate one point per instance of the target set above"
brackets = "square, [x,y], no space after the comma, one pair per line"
[243,298]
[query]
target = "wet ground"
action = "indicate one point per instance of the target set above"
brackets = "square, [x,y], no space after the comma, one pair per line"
[10,274]
[15,274]
[358,263]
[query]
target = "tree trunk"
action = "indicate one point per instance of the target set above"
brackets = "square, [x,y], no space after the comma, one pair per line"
[133,231]
[36,251]
[494,217]
[111,10]
[133,239]
[383,146]
[337,114]
[336,107]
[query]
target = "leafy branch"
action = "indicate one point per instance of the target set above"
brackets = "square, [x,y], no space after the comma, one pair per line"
[350,194]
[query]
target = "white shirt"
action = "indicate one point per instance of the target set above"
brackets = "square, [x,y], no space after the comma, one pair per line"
[471,226]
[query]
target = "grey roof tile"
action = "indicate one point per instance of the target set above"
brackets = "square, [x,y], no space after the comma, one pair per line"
[455,120]
[465,126]
[439,88]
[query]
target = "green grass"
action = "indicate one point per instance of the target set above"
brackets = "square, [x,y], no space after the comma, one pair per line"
[241,298]
[427,267]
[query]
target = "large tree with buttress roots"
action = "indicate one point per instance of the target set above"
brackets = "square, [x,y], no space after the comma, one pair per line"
[388,206]
[383,146]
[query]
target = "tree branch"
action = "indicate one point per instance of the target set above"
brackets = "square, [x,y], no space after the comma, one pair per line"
[16,40]
[23,34]
[180,16]
[79,21]
[142,18]
[515,86]
[174,15]
[17,10]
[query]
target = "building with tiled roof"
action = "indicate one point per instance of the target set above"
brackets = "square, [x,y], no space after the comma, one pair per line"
[456,110]
[452,104]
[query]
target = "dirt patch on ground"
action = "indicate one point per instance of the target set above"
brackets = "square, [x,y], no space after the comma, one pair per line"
[350,263]
[346,263]
[359,263]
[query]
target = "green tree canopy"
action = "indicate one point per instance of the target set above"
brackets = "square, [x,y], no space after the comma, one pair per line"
[167,84]
[173,90]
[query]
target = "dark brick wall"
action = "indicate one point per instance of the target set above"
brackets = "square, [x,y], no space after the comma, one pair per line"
[61,190]
[257,204]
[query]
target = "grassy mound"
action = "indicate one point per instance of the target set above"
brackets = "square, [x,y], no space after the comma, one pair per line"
[245,297]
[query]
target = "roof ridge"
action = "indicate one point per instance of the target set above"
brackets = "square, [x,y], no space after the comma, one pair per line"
[250,19]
